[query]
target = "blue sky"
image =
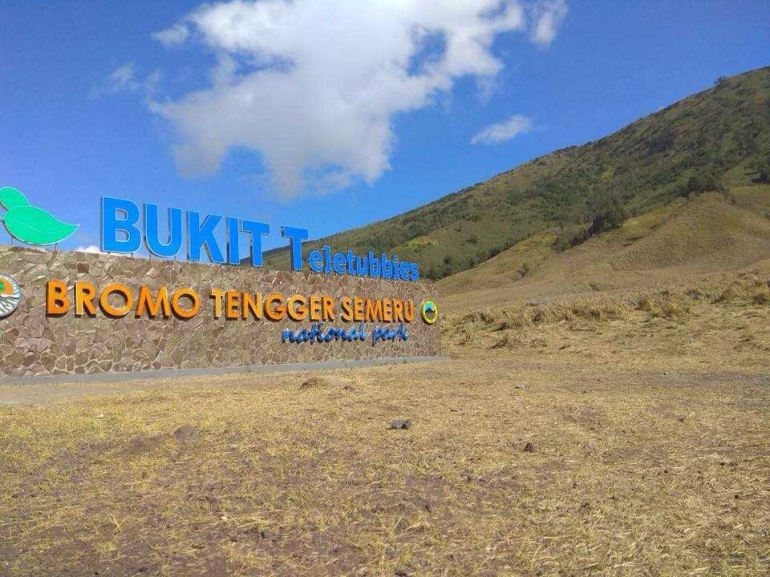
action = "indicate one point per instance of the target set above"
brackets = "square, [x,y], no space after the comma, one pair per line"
[98,98]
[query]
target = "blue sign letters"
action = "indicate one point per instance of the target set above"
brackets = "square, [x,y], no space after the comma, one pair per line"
[122,232]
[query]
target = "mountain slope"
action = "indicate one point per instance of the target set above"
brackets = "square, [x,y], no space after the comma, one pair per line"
[683,240]
[718,134]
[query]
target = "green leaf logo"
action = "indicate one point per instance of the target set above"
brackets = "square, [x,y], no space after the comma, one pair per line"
[31,224]
[11,198]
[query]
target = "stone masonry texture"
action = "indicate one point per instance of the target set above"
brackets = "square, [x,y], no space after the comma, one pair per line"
[32,343]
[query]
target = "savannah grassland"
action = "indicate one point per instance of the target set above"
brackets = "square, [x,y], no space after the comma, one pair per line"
[647,412]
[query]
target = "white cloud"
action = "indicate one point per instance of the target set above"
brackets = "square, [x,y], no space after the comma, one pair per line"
[125,79]
[502,131]
[91,248]
[313,85]
[173,36]
[547,16]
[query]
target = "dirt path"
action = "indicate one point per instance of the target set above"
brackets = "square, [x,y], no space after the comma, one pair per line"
[51,393]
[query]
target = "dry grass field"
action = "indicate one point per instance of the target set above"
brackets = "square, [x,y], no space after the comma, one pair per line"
[622,434]
[606,413]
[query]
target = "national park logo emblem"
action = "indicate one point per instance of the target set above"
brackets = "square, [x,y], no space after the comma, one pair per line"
[10,296]
[429,312]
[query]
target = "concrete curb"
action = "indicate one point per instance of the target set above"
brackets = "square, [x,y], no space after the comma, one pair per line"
[180,373]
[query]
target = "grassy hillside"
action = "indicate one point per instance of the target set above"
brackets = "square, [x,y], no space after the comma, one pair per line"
[502,270]
[705,235]
[719,135]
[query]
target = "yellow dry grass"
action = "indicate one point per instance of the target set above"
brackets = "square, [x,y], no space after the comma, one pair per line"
[719,320]
[709,235]
[648,414]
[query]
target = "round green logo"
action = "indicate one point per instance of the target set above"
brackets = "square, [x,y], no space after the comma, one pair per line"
[10,296]
[429,312]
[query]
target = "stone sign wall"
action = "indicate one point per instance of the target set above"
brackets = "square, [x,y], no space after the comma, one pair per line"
[35,342]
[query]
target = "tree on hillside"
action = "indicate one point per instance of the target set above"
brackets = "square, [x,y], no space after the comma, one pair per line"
[606,212]
[763,171]
[448,265]
[701,182]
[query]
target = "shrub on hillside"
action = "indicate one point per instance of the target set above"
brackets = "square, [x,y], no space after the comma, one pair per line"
[763,172]
[701,182]
[607,213]
[449,267]
[604,212]
[569,237]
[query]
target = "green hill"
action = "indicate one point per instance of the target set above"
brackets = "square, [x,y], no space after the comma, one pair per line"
[718,138]
[683,241]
